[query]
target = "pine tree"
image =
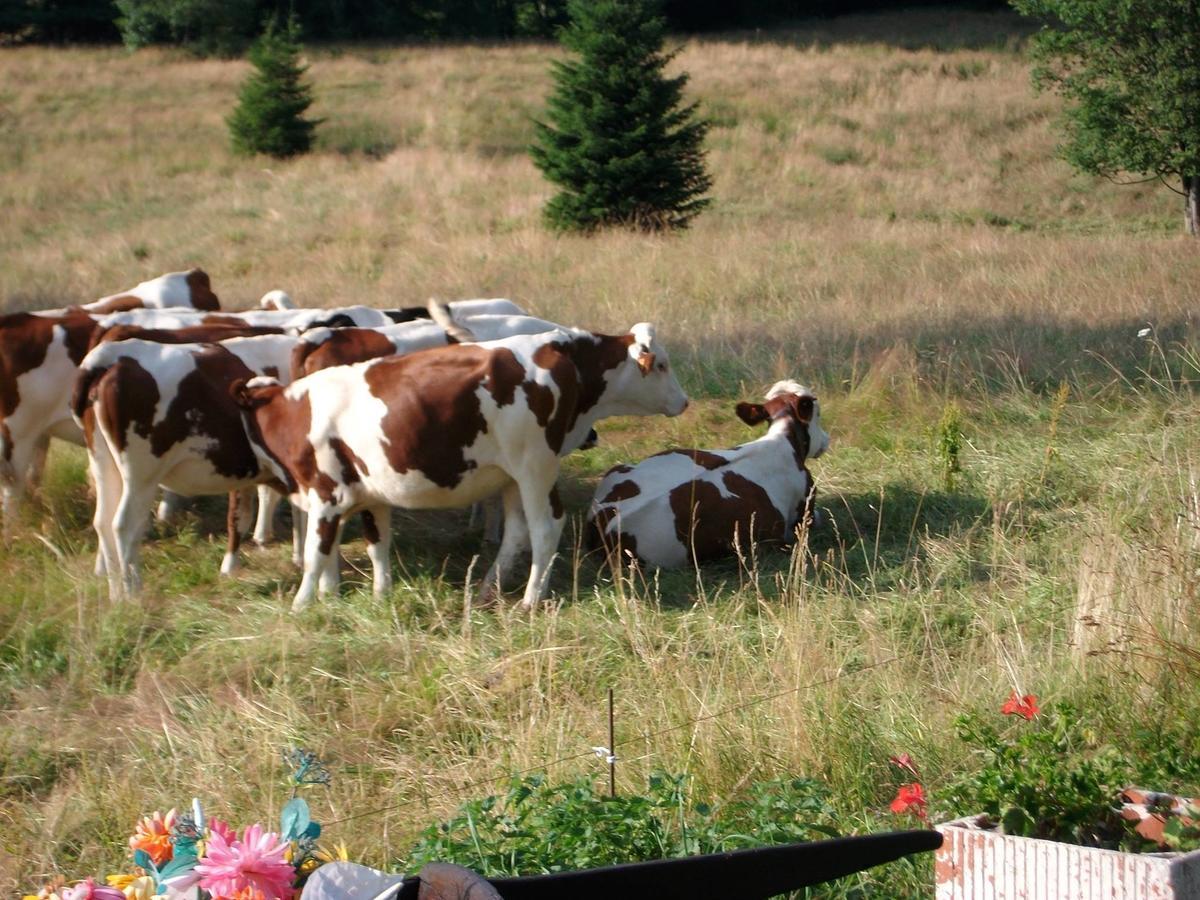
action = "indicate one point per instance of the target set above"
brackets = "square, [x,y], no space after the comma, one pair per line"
[269,117]
[618,142]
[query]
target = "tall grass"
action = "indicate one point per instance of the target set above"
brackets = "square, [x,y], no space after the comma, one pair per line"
[890,226]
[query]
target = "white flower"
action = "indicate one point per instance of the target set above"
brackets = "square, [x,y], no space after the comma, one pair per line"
[1145,332]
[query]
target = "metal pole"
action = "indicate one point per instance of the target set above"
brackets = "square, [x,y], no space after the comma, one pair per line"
[612,749]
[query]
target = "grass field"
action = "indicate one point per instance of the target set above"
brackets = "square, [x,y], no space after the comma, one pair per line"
[889,225]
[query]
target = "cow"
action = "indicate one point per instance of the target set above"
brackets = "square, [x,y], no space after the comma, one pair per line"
[299,320]
[39,352]
[161,414]
[684,506]
[445,428]
[320,348]
[175,289]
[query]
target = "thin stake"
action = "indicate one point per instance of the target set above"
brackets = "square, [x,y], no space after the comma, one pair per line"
[612,752]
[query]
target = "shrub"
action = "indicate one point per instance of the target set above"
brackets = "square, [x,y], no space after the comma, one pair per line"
[617,141]
[269,117]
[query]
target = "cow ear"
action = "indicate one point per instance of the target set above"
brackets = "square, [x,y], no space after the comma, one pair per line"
[645,362]
[804,409]
[751,413]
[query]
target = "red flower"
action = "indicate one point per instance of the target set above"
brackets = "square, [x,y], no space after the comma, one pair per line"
[905,762]
[1020,706]
[910,798]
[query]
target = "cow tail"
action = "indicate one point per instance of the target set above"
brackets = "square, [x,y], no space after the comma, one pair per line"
[85,383]
[455,332]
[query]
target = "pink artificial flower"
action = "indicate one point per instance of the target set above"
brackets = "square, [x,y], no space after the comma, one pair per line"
[1020,706]
[221,827]
[89,890]
[253,868]
[910,798]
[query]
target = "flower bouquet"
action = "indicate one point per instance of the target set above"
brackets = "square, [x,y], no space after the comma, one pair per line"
[190,857]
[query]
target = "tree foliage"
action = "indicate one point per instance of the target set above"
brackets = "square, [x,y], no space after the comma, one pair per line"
[617,141]
[1129,71]
[269,117]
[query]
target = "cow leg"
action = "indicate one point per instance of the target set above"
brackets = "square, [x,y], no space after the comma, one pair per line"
[493,519]
[37,462]
[514,542]
[264,525]
[327,584]
[299,527]
[319,544]
[545,517]
[377,529]
[237,525]
[107,480]
[14,474]
[133,515]
[168,507]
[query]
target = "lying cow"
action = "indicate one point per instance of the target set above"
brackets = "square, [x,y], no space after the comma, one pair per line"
[446,428]
[161,414]
[685,506]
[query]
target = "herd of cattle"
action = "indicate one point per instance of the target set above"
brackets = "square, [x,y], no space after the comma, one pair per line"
[357,409]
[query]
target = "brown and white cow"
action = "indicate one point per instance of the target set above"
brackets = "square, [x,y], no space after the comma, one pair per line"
[320,348]
[175,289]
[39,352]
[684,506]
[445,428]
[161,414]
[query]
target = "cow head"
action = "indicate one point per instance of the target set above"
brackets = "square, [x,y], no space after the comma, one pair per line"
[793,403]
[647,386]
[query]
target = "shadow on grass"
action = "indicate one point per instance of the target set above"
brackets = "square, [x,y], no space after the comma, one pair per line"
[874,538]
[969,354]
[940,27]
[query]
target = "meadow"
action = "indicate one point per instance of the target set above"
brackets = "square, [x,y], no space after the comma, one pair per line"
[1013,488]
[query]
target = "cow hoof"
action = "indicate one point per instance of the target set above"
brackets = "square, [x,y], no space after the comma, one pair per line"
[229,564]
[487,597]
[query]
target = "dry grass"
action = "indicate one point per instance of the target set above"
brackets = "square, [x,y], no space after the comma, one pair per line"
[889,224]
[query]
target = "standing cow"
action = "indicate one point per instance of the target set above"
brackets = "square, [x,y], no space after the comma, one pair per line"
[685,506]
[161,414]
[445,428]
[39,353]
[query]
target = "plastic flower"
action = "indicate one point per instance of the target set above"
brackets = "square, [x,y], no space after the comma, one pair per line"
[89,890]
[221,827]
[1020,706]
[153,834]
[134,887]
[905,762]
[910,798]
[253,868]
[52,890]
